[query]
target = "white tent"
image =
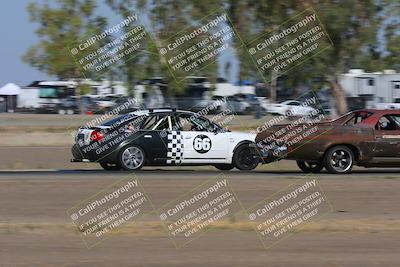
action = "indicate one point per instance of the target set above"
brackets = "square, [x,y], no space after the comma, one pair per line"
[10,89]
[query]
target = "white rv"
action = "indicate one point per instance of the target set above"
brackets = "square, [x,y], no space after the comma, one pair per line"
[374,88]
[49,95]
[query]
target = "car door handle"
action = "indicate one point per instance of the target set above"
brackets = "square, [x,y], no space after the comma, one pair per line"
[148,136]
[188,137]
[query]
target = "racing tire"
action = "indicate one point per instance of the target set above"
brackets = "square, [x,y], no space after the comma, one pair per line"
[310,167]
[132,158]
[224,167]
[110,166]
[245,158]
[339,160]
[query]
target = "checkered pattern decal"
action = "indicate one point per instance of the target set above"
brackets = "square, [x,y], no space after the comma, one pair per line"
[175,147]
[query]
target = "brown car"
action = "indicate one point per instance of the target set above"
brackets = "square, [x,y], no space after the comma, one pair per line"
[368,138]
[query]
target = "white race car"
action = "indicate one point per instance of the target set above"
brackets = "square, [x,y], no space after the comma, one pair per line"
[164,137]
[291,107]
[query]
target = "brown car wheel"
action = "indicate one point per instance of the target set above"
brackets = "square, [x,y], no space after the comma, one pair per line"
[310,167]
[339,160]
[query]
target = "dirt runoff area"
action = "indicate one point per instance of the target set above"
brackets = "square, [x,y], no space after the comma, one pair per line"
[359,227]
[362,228]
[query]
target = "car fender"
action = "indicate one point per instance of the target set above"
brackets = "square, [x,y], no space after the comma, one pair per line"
[244,142]
[237,139]
[113,156]
[129,142]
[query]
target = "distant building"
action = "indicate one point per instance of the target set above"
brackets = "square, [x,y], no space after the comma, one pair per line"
[8,97]
[371,88]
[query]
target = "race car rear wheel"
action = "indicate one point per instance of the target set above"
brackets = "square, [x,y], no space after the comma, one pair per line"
[224,167]
[132,158]
[310,167]
[246,158]
[339,159]
[110,166]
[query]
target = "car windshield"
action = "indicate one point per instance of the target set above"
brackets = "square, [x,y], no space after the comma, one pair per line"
[188,122]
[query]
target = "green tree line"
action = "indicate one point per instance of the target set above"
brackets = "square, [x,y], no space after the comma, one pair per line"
[353,26]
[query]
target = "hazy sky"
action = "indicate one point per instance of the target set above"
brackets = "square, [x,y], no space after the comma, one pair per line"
[17,34]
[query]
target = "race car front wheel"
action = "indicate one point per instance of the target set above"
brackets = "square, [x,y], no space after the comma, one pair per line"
[132,158]
[310,167]
[246,158]
[339,159]
[224,167]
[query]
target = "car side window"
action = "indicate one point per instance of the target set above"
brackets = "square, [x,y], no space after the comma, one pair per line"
[187,123]
[157,122]
[150,122]
[358,117]
[191,123]
[183,123]
[203,124]
[388,123]
[163,124]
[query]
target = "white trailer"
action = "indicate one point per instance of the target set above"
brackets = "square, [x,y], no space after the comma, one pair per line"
[228,89]
[374,88]
[28,98]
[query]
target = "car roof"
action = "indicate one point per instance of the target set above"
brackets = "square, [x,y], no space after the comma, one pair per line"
[379,111]
[290,100]
[160,110]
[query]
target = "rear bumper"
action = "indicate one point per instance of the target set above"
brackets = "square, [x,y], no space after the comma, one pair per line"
[77,155]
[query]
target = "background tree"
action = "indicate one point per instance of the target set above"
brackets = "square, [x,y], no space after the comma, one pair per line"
[352,26]
[61,24]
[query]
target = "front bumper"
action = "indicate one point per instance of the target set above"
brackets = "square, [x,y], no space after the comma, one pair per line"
[270,153]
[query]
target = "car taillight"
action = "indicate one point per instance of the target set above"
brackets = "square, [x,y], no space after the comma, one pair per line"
[96,136]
